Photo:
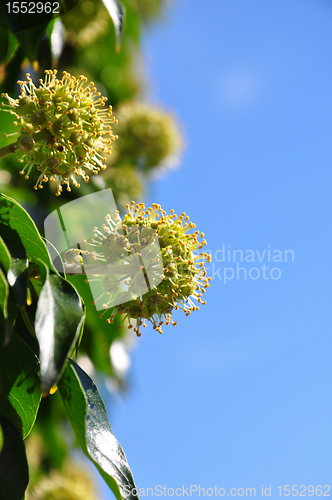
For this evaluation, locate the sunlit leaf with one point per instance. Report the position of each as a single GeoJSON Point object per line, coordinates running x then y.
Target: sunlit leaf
{"type": "Point", "coordinates": [14, 472]}
{"type": "Point", "coordinates": [4, 292]}
{"type": "Point", "coordinates": [37, 275]}
{"type": "Point", "coordinates": [17, 274]}
{"type": "Point", "coordinates": [117, 12]}
{"type": "Point", "coordinates": [5, 258]}
{"type": "Point", "coordinates": [19, 369]}
{"type": "Point", "coordinates": [88, 416]}
{"type": "Point", "coordinates": [59, 317]}
{"type": "Point", "coordinates": [98, 335]}
{"type": "Point", "coordinates": [8, 303]}
{"type": "Point", "coordinates": [14, 216]}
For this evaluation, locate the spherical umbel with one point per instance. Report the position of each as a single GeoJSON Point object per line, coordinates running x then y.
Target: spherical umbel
{"type": "Point", "coordinates": [63, 128]}
{"type": "Point", "coordinates": [149, 137]}
{"type": "Point", "coordinates": [183, 277]}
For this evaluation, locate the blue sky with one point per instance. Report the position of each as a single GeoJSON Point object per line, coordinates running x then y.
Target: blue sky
{"type": "Point", "coordinates": [239, 394]}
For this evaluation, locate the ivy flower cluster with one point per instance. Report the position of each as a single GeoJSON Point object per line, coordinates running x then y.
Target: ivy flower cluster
{"type": "Point", "coordinates": [181, 275]}
{"type": "Point", "coordinates": [64, 128]}
{"type": "Point", "coordinates": [149, 137]}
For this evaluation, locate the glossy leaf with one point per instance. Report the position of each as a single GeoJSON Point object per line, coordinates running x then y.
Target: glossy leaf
{"type": "Point", "coordinates": [28, 27]}
{"type": "Point", "coordinates": [4, 292]}
{"type": "Point", "coordinates": [8, 411]}
{"type": "Point", "coordinates": [89, 419]}
{"type": "Point", "coordinates": [14, 472]}
{"type": "Point", "coordinates": [19, 369]}
{"type": "Point", "coordinates": [17, 274]}
{"type": "Point", "coordinates": [8, 303]}
{"type": "Point", "coordinates": [98, 335]}
{"type": "Point", "coordinates": [59, 317]}
{"type": "Point", "coordinates": [5, 258]}
{"type": "Point", "coordinates": [14, 216]}
{"type": "Point", "coordinates": [37, 275]}
{"type": "Point", "coordinates": [11, 46]}
{"type": "Point", "coordinates": [117, 12]}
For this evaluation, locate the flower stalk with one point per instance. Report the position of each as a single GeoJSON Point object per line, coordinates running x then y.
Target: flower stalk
{"type": "Point", "coordinates": [9, 149]}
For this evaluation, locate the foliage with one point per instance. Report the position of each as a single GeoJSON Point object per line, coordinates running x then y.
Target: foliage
{"type": "Point", "coordinates": [46, 315]}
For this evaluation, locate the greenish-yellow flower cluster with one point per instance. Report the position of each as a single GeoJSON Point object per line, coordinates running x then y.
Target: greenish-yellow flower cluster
{"type": "Point", "coordinates": [182, 279]}
{"type": "Point", "coordinates": [86, 22]}
{"type": "Point", "coordinates": [73, 483]}
{"type": "Point", "coordinates": [63, 128]}
{"type": "Point", "coordinates": [149, 137]}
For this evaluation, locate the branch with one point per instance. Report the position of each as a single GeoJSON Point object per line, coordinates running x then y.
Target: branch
{"type": "Point", "coordinates": [8, 150]}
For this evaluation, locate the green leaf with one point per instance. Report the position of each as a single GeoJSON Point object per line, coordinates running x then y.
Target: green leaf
{"type": "Point", "coordinates": [17, 274]}
{"type": "Point", "coordinates": [19, 369]}
{"type": "Point", "coordinates": [11, 47]}
{"type": "Point", "coordinates": [98, 334]}
{"type": "Point", "coordinates": [4, 292]}
{"type": "Point", "coordinates": [8, 42]}
{"type": "Point", "coordinates": [4, 42]}
{"type": "Point", "coordinates": [28, 27]}
{"type": "Point", "coordinates": [5, 258]}
{"type": "Point", "coordinates": [37, 275]}
{"type": "Point", "coordinates": [8, 303]}
{"type": "Point", "coordinates": [88, 416]}
{"type": "Point", "coordinates": [8, 411]}
{"type": "Point", "coordinates": [4, 320]}
{"type": "Point", "coordinates": [117, 12]}
{"type": "Point", "coordinates": [58, 321]}
{"type": "Point", "coordinates": [14, 472]}
{"type": "Point", "coordinates": [14, 216]}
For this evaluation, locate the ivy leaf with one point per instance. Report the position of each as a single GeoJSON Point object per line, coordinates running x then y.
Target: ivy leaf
{"type": "Point", "coordinates": [19, 369]}
{"type": "Point", "coordinates": [28, 27]}
{"type": "Point", "coordinates": [14, 216]}
{"type": "Point", "coordinates": [88, 416]}
{"type": "Point", "coordinates": [8, 42]}
{"type": "Point", "coordinates": [4, 292]}
{"type": "Point", "coordinates": [38, 275]}
{"type": "Point", "coordinates": [8, 303]}
{"type": "Point", "coordinates": [17, 274]}
{"type": "Point", "coordinates": [14, 472]}
{"type": "Point", "coordinates": [117, 12]}
{"type": "Point", "coordinates": [5, 258]}
{"type": "Point", "coordinates": [98, 335]}
{"type": "Point", "coordinates": [58, 321]}
{"type": "Point", "coordinates": [5, 320]}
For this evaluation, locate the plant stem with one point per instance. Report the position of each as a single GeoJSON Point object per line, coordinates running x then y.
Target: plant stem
{"type": "Point", "coordinates": [8, 150]}
{"type": "Point", "coordinates": [27, 322]}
